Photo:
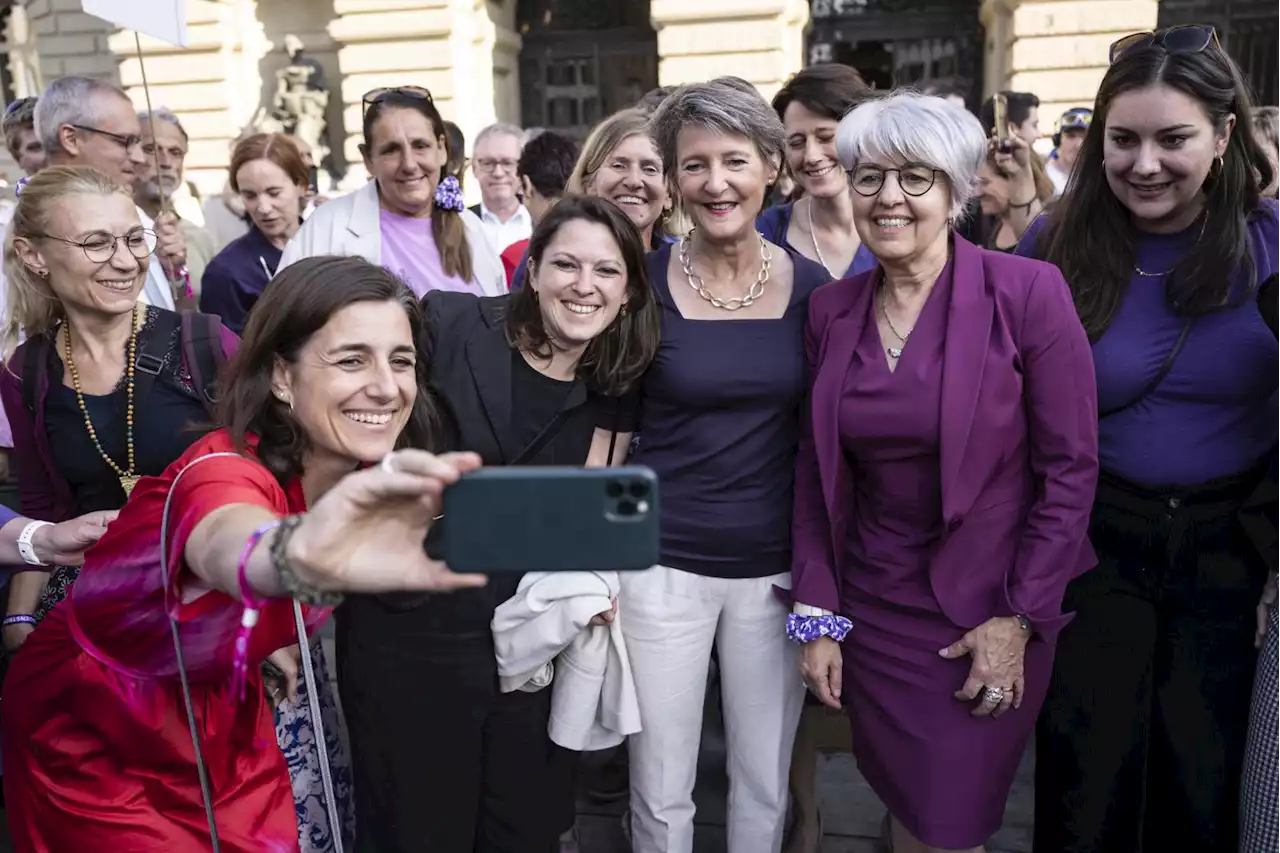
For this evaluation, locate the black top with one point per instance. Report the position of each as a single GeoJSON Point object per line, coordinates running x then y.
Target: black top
{"type": "Point", "coordinates": [165, 424]}
{"type": "Point", "coordinates": [719, 421]}
{"type": "Point", "coordinates": [536, 399]}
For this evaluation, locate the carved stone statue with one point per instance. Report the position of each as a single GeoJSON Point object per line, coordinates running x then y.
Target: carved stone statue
{"type": "Point", "coordinates": [301, 98]}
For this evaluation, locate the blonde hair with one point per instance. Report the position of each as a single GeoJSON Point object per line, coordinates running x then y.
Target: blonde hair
{"type": "Point", "coordinates": [601, 143]}
{"type": "Point", "coordinates": [32, 307]}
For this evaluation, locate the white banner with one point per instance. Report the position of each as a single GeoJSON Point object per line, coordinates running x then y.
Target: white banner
{"type": "Point", "coordinates": [162, 19]}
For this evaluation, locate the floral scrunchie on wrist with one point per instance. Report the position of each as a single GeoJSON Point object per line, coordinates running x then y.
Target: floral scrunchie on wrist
{"type": "Point", "coordinates": [806, 629]}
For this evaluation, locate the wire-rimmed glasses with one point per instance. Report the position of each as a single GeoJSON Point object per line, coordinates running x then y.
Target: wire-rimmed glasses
{"type": "Point", "coordinates": [100, 246]}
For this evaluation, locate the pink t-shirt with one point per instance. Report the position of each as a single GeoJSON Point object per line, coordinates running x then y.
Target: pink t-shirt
{"type": "Point", "coordinates": [409, 251]}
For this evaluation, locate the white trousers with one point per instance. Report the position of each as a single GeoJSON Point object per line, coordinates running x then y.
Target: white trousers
{"type": "Point", "coordinates": [671, 620]}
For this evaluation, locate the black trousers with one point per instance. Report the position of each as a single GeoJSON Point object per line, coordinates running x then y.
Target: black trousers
{"type": "Point", "coordinates": [442, 761]}
{"type": "Point", "coordinates": [1140, 743]}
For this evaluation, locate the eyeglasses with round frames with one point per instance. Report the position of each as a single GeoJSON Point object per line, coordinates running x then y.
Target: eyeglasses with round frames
{"type": "Point", "coordinates": [914, 180]}
{"type": "Point", "coordinates": [100, 246]}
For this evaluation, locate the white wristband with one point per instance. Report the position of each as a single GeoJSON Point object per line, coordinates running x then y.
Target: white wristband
{"type": "Point", "coordinates": [24, 543]}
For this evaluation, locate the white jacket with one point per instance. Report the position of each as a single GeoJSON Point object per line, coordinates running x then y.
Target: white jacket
{"type": "Point", "coordinates": [593, 696]}
{"type": "Point", "coordinates": [352, 225]}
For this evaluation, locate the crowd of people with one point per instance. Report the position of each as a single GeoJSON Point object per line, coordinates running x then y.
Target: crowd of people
{"type": "Point", "coordinates": [1058, 521]}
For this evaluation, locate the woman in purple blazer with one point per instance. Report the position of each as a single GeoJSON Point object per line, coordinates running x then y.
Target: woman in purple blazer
{"type": "Point", "coordinates": [943, 487]}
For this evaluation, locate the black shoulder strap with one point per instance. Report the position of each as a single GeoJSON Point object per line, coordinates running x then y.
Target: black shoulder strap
{"type": "Point", "coordinates": [203, 354]}
{"type": "Point", "coordinates": [1158, 378]}
{"type": "Point", "coordinates": [35, 369]}
{"type": "Point", "coordinates": [542, 439]}
{"type": "Point", "coordinates": [150, 361]}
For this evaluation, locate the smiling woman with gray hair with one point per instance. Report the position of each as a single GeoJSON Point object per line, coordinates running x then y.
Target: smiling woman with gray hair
{"type": "Point", "coordinates": [719, 420]}
{"type": "Point", "coordinates": [943, 486]}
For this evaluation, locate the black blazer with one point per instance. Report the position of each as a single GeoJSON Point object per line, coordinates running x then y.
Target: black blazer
{"type": "Point", "coordinates": [471, 376]}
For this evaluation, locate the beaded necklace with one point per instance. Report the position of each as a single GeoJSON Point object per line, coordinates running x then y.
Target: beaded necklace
{"type": "Point", "coordinates": [128, 478]}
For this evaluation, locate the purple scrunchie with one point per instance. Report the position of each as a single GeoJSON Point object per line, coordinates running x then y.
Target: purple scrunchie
{"type": "Point", "coordinates": [806, 629]}
{"type": "Point", "coordinates": [21, 185]}
{"type": "Point", "coordinates": [449, 195]}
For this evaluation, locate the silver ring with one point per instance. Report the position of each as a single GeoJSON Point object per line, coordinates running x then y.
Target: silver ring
{"type": "Point", "coordinates": [388, 463]}
{"type": "Point", "coordinates": [993, 695]}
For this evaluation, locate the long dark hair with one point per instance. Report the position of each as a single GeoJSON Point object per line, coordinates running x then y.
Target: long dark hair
{"type": "Point", "coordinates": [1090, 236]}
{"type": "Point", "coordinates": [446, 225]}
{"type": "Point", "coordinates": [616, 359]}
{"type": "Point", "coordinates": [299, 302]}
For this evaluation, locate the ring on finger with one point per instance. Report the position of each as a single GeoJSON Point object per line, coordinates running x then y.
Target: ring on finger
{"type": "Point", "coordinates": [993, 696]}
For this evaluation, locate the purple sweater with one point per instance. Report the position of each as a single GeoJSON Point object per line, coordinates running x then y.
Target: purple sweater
{"type": "Point", "coordinates": [1214, 415]}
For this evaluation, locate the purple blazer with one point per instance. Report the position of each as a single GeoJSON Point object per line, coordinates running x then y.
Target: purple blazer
{"type": "Point", "coordinates": [1018, 449]}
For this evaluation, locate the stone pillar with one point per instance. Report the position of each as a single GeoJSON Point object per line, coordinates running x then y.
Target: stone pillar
{"type": "Point", "coordinates": [761, 41]}
{"type": "Point", "coordinates": [70, 42]}
{"type": "Point", "coordinates": [464, 51]}
{"type": "Point", "coordinates": [1057, 48]}
{"type": "Point", "coordinates": [211, 85]}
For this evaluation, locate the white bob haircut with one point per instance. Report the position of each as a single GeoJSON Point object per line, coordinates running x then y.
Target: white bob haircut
{"type": "Point", "coordinates": [908, 127]}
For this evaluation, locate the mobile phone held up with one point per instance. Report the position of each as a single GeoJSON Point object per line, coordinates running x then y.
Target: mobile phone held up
{"type": "Point", "coordinates": [1000, 110]}
{"type": "Point", "coordinates": [539, 519]}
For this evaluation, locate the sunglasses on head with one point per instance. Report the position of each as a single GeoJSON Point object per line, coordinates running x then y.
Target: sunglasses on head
{"type": "Point", "coordinates": [377, 96]}
{"type": "Point", "coordinates": [1188, 38]}
{"type": "Point", "coordinates": [14, 106]}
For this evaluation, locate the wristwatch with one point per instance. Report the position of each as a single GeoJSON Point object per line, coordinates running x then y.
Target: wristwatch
{"type": "Point", "coordinates": [27, 552]}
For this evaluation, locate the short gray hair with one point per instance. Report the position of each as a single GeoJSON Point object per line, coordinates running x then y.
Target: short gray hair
{"type": "Point", "coordinates": [727, 105]}
{"type": "Point", "coordinates": [908, 127]}
{"type": "Point", "coordinates": [69, 100]}
{"type": "Point", "coordinates": [165, 115]}
{"type": "Point", "coordinates": [499, 129]}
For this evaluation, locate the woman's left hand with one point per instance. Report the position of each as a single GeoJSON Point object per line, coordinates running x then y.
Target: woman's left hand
{"type": "Point", "coordinates": [998, 647]}
{"type": "Point", "coordinates": [287, 660]}
{"type": "Point", "coordinates": [607, 616]}
{"type": "Point", "coordinates": [1263, 613]}
{"type": "Point", "coordinates": [64, 544]}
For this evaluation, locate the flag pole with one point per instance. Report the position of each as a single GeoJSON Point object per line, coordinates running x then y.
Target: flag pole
{"type": "Point", "coordinates": [179, 277]}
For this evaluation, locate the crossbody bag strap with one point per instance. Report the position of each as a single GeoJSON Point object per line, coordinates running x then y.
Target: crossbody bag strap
{"type": "Point", "coordinates": [542, 439]}
{"type": "Point", "coordinates": [308, 675]}
{"type": "Point", "coordinates": [1158, 378]}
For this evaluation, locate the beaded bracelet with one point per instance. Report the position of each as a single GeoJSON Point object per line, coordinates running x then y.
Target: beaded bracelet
{"type": "Point", "coordinates": [19, 619]}
{"type": "Point", "coordinates": [289, 581]}
{"type": "Point", "coordinates": [253, 604]}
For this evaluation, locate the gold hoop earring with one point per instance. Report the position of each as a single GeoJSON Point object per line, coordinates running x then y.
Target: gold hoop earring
{"type": "Point", "coordinates": [1215, 171]}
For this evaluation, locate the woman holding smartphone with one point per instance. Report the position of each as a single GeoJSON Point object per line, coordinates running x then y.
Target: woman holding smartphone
{"type": "Point", "coordinates": [447, 763]}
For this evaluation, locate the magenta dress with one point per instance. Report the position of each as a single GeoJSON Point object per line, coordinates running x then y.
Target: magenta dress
{"type": "Point", "coordinates": [942, 773]}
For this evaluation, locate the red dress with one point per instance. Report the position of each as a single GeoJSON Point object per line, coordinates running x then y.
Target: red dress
{"type": "Point", "coordinates": [97, 749]}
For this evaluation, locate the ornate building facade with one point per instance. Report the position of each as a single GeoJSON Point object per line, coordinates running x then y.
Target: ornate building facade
{"type": "Point", "coordinates": [565, 63]}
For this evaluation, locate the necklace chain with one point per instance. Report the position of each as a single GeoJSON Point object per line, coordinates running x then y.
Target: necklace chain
{"type": "Point", "coordinates": [813, 235]}
{"type": "Point", "coordinates": [1145, 274]}
{"type": "Point", "coordinates": [894, 352]}
{"type": "Point", "coordinates": [127, 477]}
{"type": "Point", "coordinates": [738, 302]}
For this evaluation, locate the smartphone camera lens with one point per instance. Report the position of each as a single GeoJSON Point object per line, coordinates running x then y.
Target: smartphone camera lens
{"type": "Point", "coordinates": [614, 489]}
{"type": "Point", "coordinates": [639, 489]}
{"type": "Point", "coordinates": [627, 508]}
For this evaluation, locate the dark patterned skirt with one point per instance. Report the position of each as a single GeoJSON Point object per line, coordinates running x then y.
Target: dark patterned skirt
{"type": "Point", "coordinates": [1260, 791]}
{"type": "Point", "coordinates": [60, 580]}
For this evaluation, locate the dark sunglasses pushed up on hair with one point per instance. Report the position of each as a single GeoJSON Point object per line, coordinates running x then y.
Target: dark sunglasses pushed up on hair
{"type": "Point", "coordinates": [377, 96]}
{"type": "Point", "coordinates": [1187, 38]}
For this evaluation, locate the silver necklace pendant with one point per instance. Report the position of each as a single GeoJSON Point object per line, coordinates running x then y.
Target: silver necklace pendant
{"type": "Point", "coordinates": [895, 352]}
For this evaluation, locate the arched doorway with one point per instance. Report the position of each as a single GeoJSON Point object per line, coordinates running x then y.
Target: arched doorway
{"type": "Point", "coordinates": [582, 60]}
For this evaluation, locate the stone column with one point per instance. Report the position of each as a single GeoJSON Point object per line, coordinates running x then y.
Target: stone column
{"type": "Point", "coordinates": [212, 85]}
{"type": "Point", "coordinates": [761, 41]}
{"type": "Point", "coordinates": [464, 51]}
{"type": "Point", "coordinates": [1057, 48]}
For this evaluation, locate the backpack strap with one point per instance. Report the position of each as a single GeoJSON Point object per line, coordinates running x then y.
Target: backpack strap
{"type": "Point", "coordinates": [202, 351]}
{"type": "Point", "coordinates": [150, 361]}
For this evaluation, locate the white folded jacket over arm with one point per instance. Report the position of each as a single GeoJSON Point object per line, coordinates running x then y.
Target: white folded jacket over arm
{"type": "Point", "coordinates": [593, 696]}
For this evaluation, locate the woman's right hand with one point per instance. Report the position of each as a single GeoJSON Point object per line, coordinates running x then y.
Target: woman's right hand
{"type": "Point", "coordinates": [822, 668]}
{"type": "Point", "coordinates": [366, 534]}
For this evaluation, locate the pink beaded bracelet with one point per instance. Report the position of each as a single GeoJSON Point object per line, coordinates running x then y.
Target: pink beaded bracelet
{"type": "Point", "coordinates": [253, 603]}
